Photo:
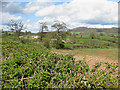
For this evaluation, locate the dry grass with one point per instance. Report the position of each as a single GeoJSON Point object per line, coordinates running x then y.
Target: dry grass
{"type": "Point", "coordinates": [92, 56]}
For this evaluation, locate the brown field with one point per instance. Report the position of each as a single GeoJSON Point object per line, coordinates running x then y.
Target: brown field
{"type": "Point", "coordinates": [92, 56]}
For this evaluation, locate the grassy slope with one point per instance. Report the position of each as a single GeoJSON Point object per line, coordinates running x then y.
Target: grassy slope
{"type": "Point", "coordinates": [85, 40]}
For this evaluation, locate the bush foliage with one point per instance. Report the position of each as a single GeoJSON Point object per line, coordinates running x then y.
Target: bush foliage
{"type": "Point", "coordinates": [28, 66]}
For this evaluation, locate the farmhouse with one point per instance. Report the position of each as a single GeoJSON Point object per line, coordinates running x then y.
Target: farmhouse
{"type": "Point", "coordinates": [34, 37]}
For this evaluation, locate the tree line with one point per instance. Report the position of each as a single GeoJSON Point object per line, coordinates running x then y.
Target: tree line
{"type": "Point", "coordinates": [59, 26]}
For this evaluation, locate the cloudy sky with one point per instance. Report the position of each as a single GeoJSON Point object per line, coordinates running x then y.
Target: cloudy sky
{"type": "Point", "coordinates": [75, 13]}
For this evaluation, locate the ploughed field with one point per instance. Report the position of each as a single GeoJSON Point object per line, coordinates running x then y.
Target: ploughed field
{"type": "Point", "coordinates": [92, 56]}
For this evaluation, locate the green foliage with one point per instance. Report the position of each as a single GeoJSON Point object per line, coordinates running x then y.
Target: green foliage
{"type": "Point", "coordinates": [60, 27]}
{"type": "Point", "coordinates": [73, 41]}
{"type": "Point", "coordinates": [25, 41]}
{"type": "Point", "coordinates": [96, 41]}
{"type": "Point", "coordinates": [47, 43]}
{"type": "Point", "coordinates": [57, 44]}
{"type": "Point", "coordinates": [28, 66]}
{"type": "Point", "coordinates": [92, 36]}
{"type": "Point", "coordinates": [101, 34]}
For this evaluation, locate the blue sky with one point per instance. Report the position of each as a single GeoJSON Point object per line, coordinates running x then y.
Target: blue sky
{"type": "Point", "coordinates": [76, 13]}
{"type": "Point", "coordinates": [114, 0]}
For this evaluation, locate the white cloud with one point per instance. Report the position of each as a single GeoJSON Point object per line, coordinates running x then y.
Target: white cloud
{"type": "Point", "coordinates": [91, 12]}
{"type": "Point", "coordinates": [3, 27]}
{"type": "Point", "coordinates": [100, 26]}
{"type": "Point", "coordinates": [11, 7]}
{"type": "Point", "coordinates": [29, 8]}
{"type": "Point", "coordinates": [6, 17]}
{"type": "Point", "coordinates": [28, 21]}
{"type": "Point", "coordinates": [33, 28]}
{"type": "Point", "coordinates": [4, 0]}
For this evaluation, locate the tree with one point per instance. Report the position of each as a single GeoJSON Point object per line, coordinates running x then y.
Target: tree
{"type": "Point", "coordinates": [26, 32]}
{"type": "Point", "coordinates": [59, 26]}
{"type": "Point", "coordinates": [101, 34]}
{"type": "Point", "coordinates": [16, 26]}
{"type": "Point", "coordinates": [69, 32]}
{"type": "Point", "coordinates": [92, 35]}
{"type": "Point", "coordinates": [43, 27]}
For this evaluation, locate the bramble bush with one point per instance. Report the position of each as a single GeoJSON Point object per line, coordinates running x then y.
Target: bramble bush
{"type": "Point", "coordinates": [28, 66]}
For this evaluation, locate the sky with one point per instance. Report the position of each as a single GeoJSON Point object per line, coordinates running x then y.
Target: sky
{"type": "Point", "coordinates": [75, 13]}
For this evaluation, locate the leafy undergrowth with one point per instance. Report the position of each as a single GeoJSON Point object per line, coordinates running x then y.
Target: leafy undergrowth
{"type": "Point", "coordinates": [28, 66]}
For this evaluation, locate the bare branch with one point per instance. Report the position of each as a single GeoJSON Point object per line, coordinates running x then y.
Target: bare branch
{"type": "Point", "coordinates": [43, 27]}
{"type": "Point", "coordinates": [16, 26]}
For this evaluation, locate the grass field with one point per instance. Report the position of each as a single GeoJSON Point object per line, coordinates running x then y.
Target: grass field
{"type": "Point", "coordinates": [28, 63]}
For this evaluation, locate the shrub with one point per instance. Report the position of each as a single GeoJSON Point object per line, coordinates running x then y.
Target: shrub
{"type": "Point", "coordinates": [25, 41]}
{"type": "Point", "coordinates": [101, 34]}
{"type": "Point", "coordinates": [61, 45]}
{"type": "Point", "coordinates": [92, 36]}
{"type": "Point", "coordinates": [53, 43]}
{"type": "Point", "coordinates": [47, 43]}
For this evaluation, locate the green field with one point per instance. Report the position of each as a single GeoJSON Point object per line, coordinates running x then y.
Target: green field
{"type": "Point", "coordinates": [30, 63]}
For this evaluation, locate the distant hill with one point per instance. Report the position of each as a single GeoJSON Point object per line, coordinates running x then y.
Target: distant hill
{"type": "Point", "coordinates": [95, 30]}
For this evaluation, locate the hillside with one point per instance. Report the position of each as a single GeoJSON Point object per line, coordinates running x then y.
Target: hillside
{"type": "Point", "coordinates": [95, 30]}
